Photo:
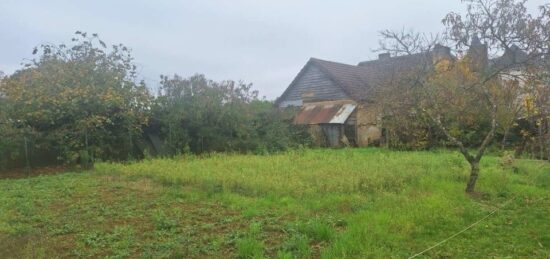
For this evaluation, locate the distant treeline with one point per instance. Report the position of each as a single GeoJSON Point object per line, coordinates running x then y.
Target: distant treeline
{"type": "Point", "coordinates": [83, 103]}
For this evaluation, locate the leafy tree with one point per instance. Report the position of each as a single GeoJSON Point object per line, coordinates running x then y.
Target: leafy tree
{"type": "Point", "coordinates": [203, 115]}
{"type": "Point", "coordinates": [462, 96]}
{"type": "Point", "coordinates": [199, 115]}
{"type": "Point", "coordinates": [82, 100]}
{"type": "Point", "coordinates": [274, 129]}
{"type": "Point", "coordinates": [511, 108]}
{"type": "Point", "coordinates": [9, 146]}
{"type": "Point", "coordinates": [536, 110]}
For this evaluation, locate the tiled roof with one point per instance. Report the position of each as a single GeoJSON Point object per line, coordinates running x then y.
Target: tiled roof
{"type": "Point", "coordinates": [358, 81]}
{"type": "Point", "coordinates": [352, 79]}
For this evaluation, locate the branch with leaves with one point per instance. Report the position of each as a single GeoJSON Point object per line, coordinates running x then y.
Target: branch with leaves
{"type": "Point", "coordinates": [464, 94]}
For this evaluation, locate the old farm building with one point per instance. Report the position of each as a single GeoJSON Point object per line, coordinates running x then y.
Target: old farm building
{"type": "Point", "coordinates": [337, 100]}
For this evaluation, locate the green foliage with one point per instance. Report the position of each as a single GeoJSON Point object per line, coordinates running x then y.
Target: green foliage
{"type": "Point", "coordinates": [409, 132]}
{"type": "Point", "coordinates": [82, 103]}
{"type": "Point", "coordinates": [8, 133]}
{"type": "Point", "coordinates": [317, 230]}
{"type": "Point", "coordinates": [80, 97]}
{"type": "Point", "coordinates": [249, 246]}
{"type": "Point", "coordinates": [199, 115]}
{"type": "Point", "coordinates": [306, 204]}
{"type": "Point", "coordinates": [10, 139]}
{"type": "Point", "coordinates": [297, 246]}
{"type": "Point", "coordinates": [163, 222]}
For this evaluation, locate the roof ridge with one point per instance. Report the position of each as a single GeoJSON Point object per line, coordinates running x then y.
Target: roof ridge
{"type": "Point", "coordinates": [394, 58]}
{"type": "Point", "coordinates": [329, 61]}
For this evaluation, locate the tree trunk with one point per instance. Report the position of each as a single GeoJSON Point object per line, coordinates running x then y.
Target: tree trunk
{"type": "Point", "coordinates": [474, 173]}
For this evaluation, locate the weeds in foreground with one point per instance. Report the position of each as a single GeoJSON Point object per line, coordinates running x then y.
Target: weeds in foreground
{"type": "Point", "coordinates": [350, 203]}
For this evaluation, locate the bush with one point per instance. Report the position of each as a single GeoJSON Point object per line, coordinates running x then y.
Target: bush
{"type": "Point", "coordinates": [82, 99]}
{"type": "Point", "coordinates": [200, 115]}
{"type": "Point", "coordinates": [10, 143]}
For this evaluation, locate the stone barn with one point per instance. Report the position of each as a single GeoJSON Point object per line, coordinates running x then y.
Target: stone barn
{"type": "Point", "coordinates": [336, 99]}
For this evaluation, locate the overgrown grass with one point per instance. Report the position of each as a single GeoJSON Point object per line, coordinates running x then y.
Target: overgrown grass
{"type": "Point", "coordinates": [352, 203]}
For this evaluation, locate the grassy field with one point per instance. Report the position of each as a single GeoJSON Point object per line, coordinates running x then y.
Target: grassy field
{"type": "Point", "coordinates": [351, 203]}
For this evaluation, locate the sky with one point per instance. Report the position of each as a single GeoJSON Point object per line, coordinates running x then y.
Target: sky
{"type": "Point", "coordinates": [262, 42]}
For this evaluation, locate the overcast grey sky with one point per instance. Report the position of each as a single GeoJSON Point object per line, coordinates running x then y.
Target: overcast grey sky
{"type": "Point", "coordinates": [262, 42]}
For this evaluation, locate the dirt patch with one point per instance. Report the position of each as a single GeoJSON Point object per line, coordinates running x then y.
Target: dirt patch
{"type": "Point", "coordinates": [34, 245]}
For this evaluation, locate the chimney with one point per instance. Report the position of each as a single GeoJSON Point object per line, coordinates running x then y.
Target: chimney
{"type": "Point", "coordinates": [384, 56]}
{"type": "Point", "coordinates": [512, 53]}
{"type": "Point", "coordinates": [441, 52]}
{"type": "Point", "coordinates": [478, 54]}
{"type": "Point", "coordinates": [476, 41]}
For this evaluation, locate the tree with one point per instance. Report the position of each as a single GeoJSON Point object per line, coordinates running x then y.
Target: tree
{"type": "Point", "coordinates": [202, 115]}
{"type": "Point", "coordinates": [536, 107]}
{"type": "Point", "coordinates": [81, 101]}
{"type": "Point", "coordinates": [199, 115]}
{"type": "Point", "coordinates": [462, 95]}
{"type": "Point", "coordinates": [6, 129]}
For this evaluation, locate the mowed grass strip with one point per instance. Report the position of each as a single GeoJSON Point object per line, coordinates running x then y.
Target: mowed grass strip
{"type": "Point", "coordinates": [350, 203]}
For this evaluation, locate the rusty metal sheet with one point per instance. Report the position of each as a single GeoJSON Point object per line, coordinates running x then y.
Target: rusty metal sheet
{"type": "Point", "coordinates": [324, 113]}
{"type": "Point", "coordinates": [343, 114]}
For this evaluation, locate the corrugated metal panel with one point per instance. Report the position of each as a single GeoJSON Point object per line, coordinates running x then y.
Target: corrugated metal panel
{"type": "Point", "coordinates": [324, 113]}
{"type": "Point", "coordinates": [343, 113]}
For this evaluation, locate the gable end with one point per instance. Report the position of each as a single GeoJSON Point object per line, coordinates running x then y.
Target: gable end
{"type": "Point", "coordinates": [311, 83]}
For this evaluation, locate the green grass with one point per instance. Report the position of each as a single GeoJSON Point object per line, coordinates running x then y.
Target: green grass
{"type": "Point", "coordinates": [350, 203]}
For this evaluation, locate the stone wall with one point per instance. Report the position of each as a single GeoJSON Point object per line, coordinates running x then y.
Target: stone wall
{"type": "Point", "coordinates": [368, 125]}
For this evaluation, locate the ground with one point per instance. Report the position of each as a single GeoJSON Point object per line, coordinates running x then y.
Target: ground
{"type": "Point", "coordinates": [350, 203]}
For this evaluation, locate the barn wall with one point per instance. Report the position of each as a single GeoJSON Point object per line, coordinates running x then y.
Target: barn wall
{"type": "Point", "coordinates": [313, 84]}
{"type": "Point", "coordinates": [368, 130]}
{"type": "Point", "coordinates": [350, 129]}
{"type": "Point", "coordinates": [333, 134]}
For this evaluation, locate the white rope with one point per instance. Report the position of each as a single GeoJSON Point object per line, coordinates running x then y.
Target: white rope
{"type": "Point", "coordinates": [462, 231]}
